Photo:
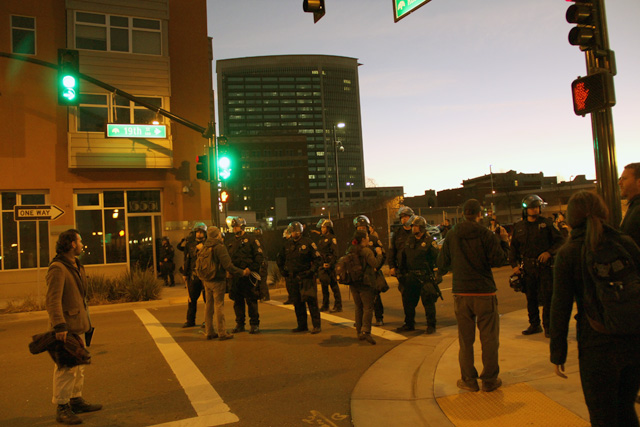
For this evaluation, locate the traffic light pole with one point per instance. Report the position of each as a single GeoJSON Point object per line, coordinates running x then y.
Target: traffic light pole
{"type": "Point", "coordinates": [602, 126]}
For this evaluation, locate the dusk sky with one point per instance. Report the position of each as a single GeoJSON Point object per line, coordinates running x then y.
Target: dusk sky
{"type": "Point", "coordinates": [456, 86]}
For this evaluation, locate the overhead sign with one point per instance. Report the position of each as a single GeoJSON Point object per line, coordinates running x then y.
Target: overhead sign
{"type": "Point", "coordinates": [402, 8]}
{"type": "Point", "coordinates": [136, 131]}
{"type": "Point", "coordinates": [36, 212]}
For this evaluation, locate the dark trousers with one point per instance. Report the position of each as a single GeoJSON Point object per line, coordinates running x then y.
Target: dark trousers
{"type": "Point", "coordinates": [264, 287]}
{"type": "Point", "coordinates": [539, 286]}
{"type": "Point", "coordinates": [328, 280]}
{"type": "Point", "coordinates": [378, 308]}
{"type": "Point", "coordinates": [302, 296]}
{"type": "Point", "coordinates": [412, 293]}
{"type": "Point", "coordinates": [610, 382]}
{"type": "Point", "coordinates": [483, 312]}
{"type": "Point", "coordinates": [363, 297]}
{"type": "Point", "coordinates": [243, 292]}
{"type": "Point", "coordinates": [195, 289]}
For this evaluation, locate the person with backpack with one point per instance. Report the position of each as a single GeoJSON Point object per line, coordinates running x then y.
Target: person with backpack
{"type": "Point", "coordinates": [417, 261]}
{"type": "Point", "coordinates": [328, 248]}
{"type": "Point", "coordinates": [299, 263]}
{"type": "Point", "coordinates": [362, 222]}
{"type": "Point", "coordinates": [598, 268]}
{"type": "Point", "coordinates": [212, 265]}
{"type": "Point", "coordinates": [359, 266]}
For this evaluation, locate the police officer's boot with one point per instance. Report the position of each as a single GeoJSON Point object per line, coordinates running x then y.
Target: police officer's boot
{"type": "Point", "coordinates": [532, 329]}
{"type": "Point", "coordinates": [325, 306]}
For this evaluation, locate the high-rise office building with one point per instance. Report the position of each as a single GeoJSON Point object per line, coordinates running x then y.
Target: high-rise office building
{"type": "Point", "coordinates": [305, 95]}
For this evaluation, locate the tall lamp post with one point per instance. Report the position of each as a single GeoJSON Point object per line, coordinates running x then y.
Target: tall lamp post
{"type": "Point", "coordinates": [337, 144]}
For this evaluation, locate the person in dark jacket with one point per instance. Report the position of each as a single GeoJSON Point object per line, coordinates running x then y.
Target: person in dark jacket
{"type": "Point", "coordinates": [264, 268]}
{"type": "Point", "coordinates": [195, 287]}
{"type": "Point", "coordinates": [363, 223]}
{"type": "Point", "coordinates": [469, 251]}
{"type": "Point", "coordinates": [609, 364]}
{"type": "Point", "coordinates": [66, 306]}
{"type": "Point", "coordinates": [396, 245]}
{"type": "Point", "coordinates": [245, 252]}
{"type": "Point", "coordinates": [629, 184]}
{"type": "Point", "coordinates": [166, 265]}
{"type": "Point", "coordinates": [328, 248]}
{"type": "Point", "coordinates": [215, 289]}
{"type": "Point", "coordinates": [418, 260]}
{"type": "Point", "coordinates": [299, 262]}
{"type": "Point", "coordinates": [363, 293]}
{"type": "Point", "coordinates": [535, 240]}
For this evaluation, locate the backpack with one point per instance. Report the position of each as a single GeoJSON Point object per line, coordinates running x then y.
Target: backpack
{"type": "Point", "coordinates": [611, 287]}
{"type": "Point", "coordinates": [353, 267]}
{"type": "Point", "coordinates": [206, 265]}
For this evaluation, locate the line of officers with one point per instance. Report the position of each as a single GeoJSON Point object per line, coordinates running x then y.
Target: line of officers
{"type": "Point", "coordinates": [412, 258]}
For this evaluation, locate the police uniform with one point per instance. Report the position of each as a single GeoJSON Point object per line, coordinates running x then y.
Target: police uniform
{"type": "Point", "coordinates": [301, 261]}
{"type": "Point", "coordinates": [264, 272]}
{"type": "Point", "coordinates": [530, 239]}
{"type": "Point", "coordinates": [166, 263]}
{"type": "Point", "coordinates": [328, 249]}
{"type": "Point", "coordinates": [245, 252]}
{"type": "Point", "coordinates": [418, 259]}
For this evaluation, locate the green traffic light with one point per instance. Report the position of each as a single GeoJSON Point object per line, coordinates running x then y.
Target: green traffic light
{"type": "Point", "coordinates": [224, 162]}
{"type": "Point", "coordinates": [69, 81]}
{"type": "Point", "coordinates": [224, 167]}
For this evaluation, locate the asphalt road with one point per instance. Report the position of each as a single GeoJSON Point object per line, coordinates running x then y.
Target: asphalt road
{"type": "Point", "coordinates": [147, 370]}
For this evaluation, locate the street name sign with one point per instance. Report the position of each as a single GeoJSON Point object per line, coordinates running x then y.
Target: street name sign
{"type": "Point", "coordinates": [136, 131]}
{"type": "Point", "coordinates": [36, 212]}
{"type": "Point", "coordinates": [402, 8]}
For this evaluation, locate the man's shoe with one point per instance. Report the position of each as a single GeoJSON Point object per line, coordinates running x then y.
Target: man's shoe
{"type": "Point", "coordinates": [316, 330]}
{"type": "Point", "coordinates": [336, 310]}
{"type": "Point", "coordinates": [254, 329]}
{"type": "Point", "coordinates": [466, 386]}
{"type": "Point", "coordinates": [324, 308]}
{"type": "Point", "coordinates": [225, 337]}
{"type": "Point", "coordinates": [532, 329]}
{"type": "Point", "coordinates": [430, 330]}
{"type": "Point", "coordinates": [188, 325]}
{"type": "Point", "coordinates": [287, 302]}
{"type": "Point", "coordinates": [238, 328]}
{"type": "Point", "coordinates": [79, 405]}
{"type": "Point", "coordinates": [368, 338]}
{"type": "Point", "coordinates": [490, 386]}
{"type": "Point", "coordinates": [300, 329]}
{"type": "Point", "coordinates": [405, 328]}
{"type": "Point", "coordinates": [212, 336]}
{"type": "Point", "coordinates": [379, 322]}
{"type": "Point", "coordinates": [65, 415]}
{"type": "Point", "coordinates": [360, 336]}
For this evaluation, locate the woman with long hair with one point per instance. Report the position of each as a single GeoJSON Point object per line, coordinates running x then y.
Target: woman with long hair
{"type": "Point", "coordinates": [362, 291]}
{"type": "Point", "coordinates": [609, 364]}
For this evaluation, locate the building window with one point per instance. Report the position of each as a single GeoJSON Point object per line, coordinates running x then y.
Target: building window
{"type": "Point", "coordinates": [25, 244]}
{"type": "Point", "coordinates": [23, 35]}
{"type": "Point", "coordinates": [95, 111]}
{"type": "Point", "coordinates": [113, 33]}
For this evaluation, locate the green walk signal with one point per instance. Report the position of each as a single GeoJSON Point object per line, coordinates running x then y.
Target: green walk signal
{"type": "Point", "coordinates": [68, 77]}
{"type": "Point", "coordinates": [224, 167]}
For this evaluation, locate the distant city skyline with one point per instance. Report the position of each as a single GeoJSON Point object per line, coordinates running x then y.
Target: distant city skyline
{"type": "Point", "coordinates": [456, 88]}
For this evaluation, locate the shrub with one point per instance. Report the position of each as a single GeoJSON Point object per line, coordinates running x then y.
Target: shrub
{"type": "Point", "coordinates": [30, 303]}
{"type": "Point", "coordinates": [140, 285]}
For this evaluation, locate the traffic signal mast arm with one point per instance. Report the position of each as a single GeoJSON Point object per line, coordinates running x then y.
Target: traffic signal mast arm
{"type": "Point", "coordinates": [205, 132]}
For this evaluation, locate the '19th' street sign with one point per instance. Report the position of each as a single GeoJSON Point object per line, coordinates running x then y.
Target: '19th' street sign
{"type": "Point", "coordinates": [402, 8]}
{"type": "Point", "coordinates": [36, 212]}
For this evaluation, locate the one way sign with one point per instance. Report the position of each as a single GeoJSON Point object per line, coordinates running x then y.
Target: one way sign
{"type": "Point", "coordinates": [37, 213]}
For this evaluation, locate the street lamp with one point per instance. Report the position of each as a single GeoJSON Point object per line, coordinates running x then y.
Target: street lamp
{"type": "Point", "coordinates": [337, 145]}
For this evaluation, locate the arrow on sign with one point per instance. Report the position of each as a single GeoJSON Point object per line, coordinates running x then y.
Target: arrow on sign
{"type": "Point", "coordinates": [36, 212]}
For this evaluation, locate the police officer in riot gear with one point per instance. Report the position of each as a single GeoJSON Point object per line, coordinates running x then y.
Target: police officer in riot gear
{"type": "Point", "coordinates": [299, 262]}
{"type": "Point", "coordinates": [194, 284]}
{"type": "Point", "coordinates": [362, 222]}
{"type": "Point", "coordinates": [535, 240]}
{"type": "Point", "coordinates": [264, 268]}
{"type": "Point", "coordinates": [396, 245]}
{"type": "Point", "coordinates": [328, 248]}
{"type": "Point", "coordinates": [245, 252]}
{"type": "Point", "coordinates": [418, 260]}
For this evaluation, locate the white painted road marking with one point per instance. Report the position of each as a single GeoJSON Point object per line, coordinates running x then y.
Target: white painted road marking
{"type": "Point", "coordinates": [380, 332]}
{"type": "Point", "coordinates": [211, 409]}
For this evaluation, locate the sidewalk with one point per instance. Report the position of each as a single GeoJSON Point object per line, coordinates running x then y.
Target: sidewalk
{"type": "Point", "coordinates": [415, 384]}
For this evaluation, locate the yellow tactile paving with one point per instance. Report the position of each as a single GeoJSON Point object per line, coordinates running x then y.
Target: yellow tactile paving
{"type": "Point", "coordinates": [513, 405]}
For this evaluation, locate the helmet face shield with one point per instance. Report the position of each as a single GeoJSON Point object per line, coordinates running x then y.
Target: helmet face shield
{"type": "Point", "coordinates": [238, 222]}
{"type": "Point", "coordinates": [405, 211]}
{"type": "Point", "coordinates": [200, 226]}
{"type": "Point", "coordinates": [296, 227]}
{"type": "Point", "coordinates": [532, 201]}
{"type": "Point", "coordinates": [420, 225]}
{"type": "Point", "coordinates": [361, 221]}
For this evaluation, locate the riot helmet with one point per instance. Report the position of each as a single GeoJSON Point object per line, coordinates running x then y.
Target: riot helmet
{"type": "Point", "coordinates": [296, 226]}
{"type": "Point", "coordinates": [531, 201]}
{"type": "Point", "coordinates": [200, 226]}
{"type": "Point", "coordinates": [258, 231]}
{"type": "Point", "coordinates": [286, 233]}
{"type": "Point", "coordinates": [361, 221]}
{"type": "Point", "coordinates": [405, 211]}
{"type": "Point", "coordinates": [238, 222]}
{"type": "Point", "coordinates": [420, 222]}
{"type": "Point", "coordinates": [325, 223]}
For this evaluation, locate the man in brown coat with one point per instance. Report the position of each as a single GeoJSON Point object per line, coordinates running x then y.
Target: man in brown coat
{"type": "Point", "coordinates": [67, 309]}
